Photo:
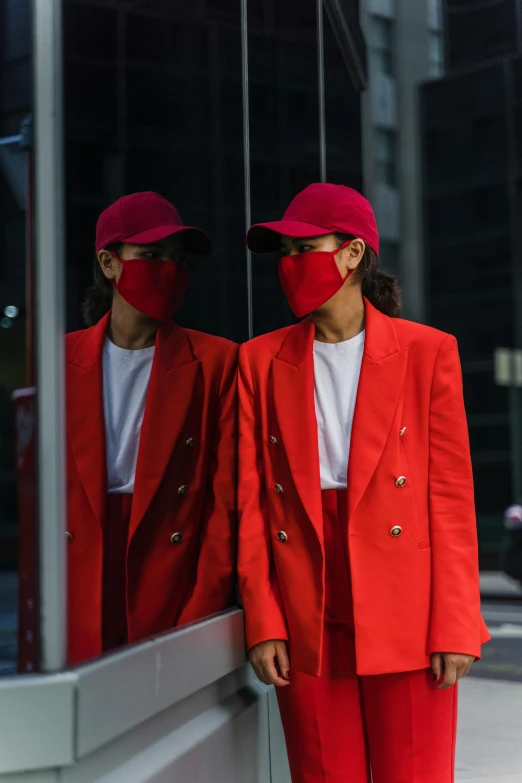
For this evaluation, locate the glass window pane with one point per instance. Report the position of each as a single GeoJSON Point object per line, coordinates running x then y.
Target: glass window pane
{"type": "Point", "coordinates": [19, 624]}
{"type": "Point", "coordinates": [342, 113]}
{"type": "Point", "coordinates": [166, 118]}
{"type": "Point", "coordinates": [381, 42]}
{"type": "Point", "coordinates": [284, 135]}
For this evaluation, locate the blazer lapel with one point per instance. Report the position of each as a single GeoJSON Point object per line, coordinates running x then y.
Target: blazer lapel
{"type": "Point", "coordinates": [380, 385]}
{"type": "Point", "coordinates": [85, 417]}
{"type": "Point", "coordinates": [169, 397]}
{"type": "Point", "coordinates": [293, 395]}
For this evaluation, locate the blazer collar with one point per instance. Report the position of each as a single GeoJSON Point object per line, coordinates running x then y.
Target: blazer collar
{"type": "Point", "coordinates": [380, 338]}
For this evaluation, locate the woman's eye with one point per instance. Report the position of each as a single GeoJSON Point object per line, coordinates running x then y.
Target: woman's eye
{"type": "Point", "coordinates": [305, 248]}
{"type": "Point", "coordinates": [150, 254]}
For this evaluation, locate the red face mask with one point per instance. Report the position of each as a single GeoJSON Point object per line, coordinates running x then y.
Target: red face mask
{"type": "Point", "coordinates": [311, 279]}
{"type": "Point", "coordinates": [155, 288]}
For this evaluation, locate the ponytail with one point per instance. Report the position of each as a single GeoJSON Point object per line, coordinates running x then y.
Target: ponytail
{"type": "Point", "coordinates": [382, 290]}
{"type": "Point", "coordinates": [98, 299]}
{"type": "Point", "coordinates": [379, 287]}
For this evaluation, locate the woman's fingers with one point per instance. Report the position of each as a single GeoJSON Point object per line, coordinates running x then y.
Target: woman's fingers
{"type": "Point", "coordinates": [455, 667]}
{"type": "Point", "coordinates": [283, 662]}
{"type": "Point", "coordinates": [450, 673]}
{"type": "Point", "coordinates": [270, 663]}
{"type": "Point", "coordinates": [437, 665]}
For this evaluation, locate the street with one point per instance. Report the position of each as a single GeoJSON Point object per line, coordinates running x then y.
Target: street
{"type": "Point", "coordinates": [502, 657]}
{"type": "Point", "coordinates": [489, 747]}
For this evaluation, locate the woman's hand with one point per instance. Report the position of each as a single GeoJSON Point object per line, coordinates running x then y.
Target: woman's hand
{"type": "Point", "coordinates": [451, 667]}
{"type": "Point", "coordinates": [270, 662]}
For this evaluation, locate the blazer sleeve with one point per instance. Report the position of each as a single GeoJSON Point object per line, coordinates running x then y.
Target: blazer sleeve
{"type": "Point", "coordinates": [264, 614]}
{"type": "Point", "coordinates": [456, 623]}
{"type": "Point", "coordinates": [214, 589]}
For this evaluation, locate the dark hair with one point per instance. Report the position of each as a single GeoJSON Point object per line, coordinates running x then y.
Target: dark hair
{"type": "Point", "coordinates": [98, 299]}
{"type": "Point", "coordinates": [379, 287]}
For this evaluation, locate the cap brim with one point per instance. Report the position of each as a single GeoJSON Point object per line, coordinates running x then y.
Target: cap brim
{"type": "Point", "coordinates": [194, 239]}
{"type": "Point", "coordinates": [266, 237]}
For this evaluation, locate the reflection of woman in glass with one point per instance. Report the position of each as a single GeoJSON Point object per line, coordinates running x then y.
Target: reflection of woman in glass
{"type": "Point", "coordinates": [358, 550]}
{"type": "Point", "coordinates": [151, 411]}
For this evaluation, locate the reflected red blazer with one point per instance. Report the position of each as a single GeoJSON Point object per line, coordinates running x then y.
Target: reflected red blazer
{"type": "Point", "coordinates": [415, 592]}
{"type": "Point", "coordinates": [188, 439]}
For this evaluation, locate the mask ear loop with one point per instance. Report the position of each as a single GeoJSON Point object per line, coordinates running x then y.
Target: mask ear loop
{"type": "Point", "coordinates": [346, 244]}
{"type": "Point", "coordinates": [114, 255]}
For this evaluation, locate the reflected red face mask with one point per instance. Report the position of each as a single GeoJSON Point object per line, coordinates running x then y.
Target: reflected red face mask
{"type": "Point", "coordinates": [310, 279]}
{"type": "Point", "coordinates": [155, 288]}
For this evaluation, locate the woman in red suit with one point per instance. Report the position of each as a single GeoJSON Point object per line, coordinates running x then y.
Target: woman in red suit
{"type": "Point", "coordinates": [358, 549]}
{"type": "Point", "coordinates": [151, 441]}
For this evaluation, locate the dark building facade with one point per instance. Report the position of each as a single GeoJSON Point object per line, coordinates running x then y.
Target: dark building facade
{"type": "Point", "coordinates": [154, 96]}
{"type": "Point", "coordinates": [472, 149]}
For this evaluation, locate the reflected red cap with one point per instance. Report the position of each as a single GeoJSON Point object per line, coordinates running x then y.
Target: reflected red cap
{"type": "Point", "coordinates": [145, 218]}
{"type": "Point", "coordinates": [318, 210]}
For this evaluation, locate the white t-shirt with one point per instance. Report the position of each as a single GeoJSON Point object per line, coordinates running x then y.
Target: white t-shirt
{"type": "Point", "coordinates": [126, 377]}
{"type": "Point", "coordinates": [337, 367]}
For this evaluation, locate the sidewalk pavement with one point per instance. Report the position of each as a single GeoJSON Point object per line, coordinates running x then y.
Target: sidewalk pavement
{"type": "Point", "coordinates": [495, 584]}
{"type": "Point", "coordinates": [489, 746]}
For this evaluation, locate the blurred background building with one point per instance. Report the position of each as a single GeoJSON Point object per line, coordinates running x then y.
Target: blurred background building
{"type": "Point", "coordinates": [471, 123]}
{"type": "Point", "coordinates": [405, 48]}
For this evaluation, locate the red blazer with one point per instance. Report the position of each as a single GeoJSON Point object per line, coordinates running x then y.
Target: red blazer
{"type": "Point", "coordinates": [188, 438]}
{"type": "Point", "coordinates": [415, 593]}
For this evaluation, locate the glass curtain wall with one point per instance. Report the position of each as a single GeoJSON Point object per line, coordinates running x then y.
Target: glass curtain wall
{"type": "Point", "coordinates": [155, 98]}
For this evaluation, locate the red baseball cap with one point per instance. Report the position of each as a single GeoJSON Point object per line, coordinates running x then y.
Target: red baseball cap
{"type": "Point", "coordinates": [317, 210]}
{"type": "Point", "coordinates": [145, 218]}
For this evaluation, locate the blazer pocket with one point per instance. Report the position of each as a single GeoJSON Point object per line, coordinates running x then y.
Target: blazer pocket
{"type": "Point", "coordinates": [424, 545]}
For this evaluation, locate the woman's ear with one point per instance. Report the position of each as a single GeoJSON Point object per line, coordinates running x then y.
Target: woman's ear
{"type": "Point", "coordinates": [356, 250]}
{"type": "Point", "coordinates": [351, 256]}
{"type": "Point", "coordinates": [108, 264]}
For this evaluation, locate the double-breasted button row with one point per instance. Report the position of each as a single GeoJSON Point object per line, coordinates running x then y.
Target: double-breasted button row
{"type": "Point", "coordinates": [69, 537]}
{"type": "Point", "coordinates": [401, 433]}
{"type": "Point", "coordinates": [183, 490]}
{"type": "Point", "coordinates": [279, 489]}
{"type": "Point", "coordinates": [282, 536]}
{"type": "Point", "coordinates": [273, 440]}
{"type": "Point", "coordinates": [190, 442]}
{"type": "Point", "coordinates": [176, 538]}
{"type": "Point", "coordinates": [400, 482]}
{"type": "Point", "coordinates": [396, 531]}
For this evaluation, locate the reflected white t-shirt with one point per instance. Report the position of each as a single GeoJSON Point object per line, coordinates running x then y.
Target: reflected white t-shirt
{"type": "Point", "coordinates": [126, 376]}
{"type": "Point", "coordinates": [337, 367]}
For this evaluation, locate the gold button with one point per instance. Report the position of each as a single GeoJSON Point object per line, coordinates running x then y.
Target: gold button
{"type": "Point", "coordinates": [69, 536]}
{"type": "Point", "coordinates": [273, 439]}
{"type": "Point", "coordinates": [279, 489]}
{"type": "Point", "coordinates": [282, 536]}
{"type": "Point", "coordinates": [183, 489]}
{"type": "Point", "coordinates": [176, 538]}
{"type": "Point", "coordinates": [401, 481]}
{"type": "Point", "coordinates": [396, 531]}
{"type": "Point", "coordinates": [401, 433]}
{"type": "Point", "coordinates": [190, 442]}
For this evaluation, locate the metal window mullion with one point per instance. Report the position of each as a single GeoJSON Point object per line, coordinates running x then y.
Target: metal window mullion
{"type": "Point", "coordinates": [320, 76]}
{"type": "Point", "coordinates": [246, 158]}
{"type": "Point", "coordinates": [50, 326]}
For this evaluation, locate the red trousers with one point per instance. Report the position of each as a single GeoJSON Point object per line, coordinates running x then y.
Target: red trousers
{"type": "Point", "coordinates": [114, 587]}
{"type": "Point", "coordinates": [340, 726]}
